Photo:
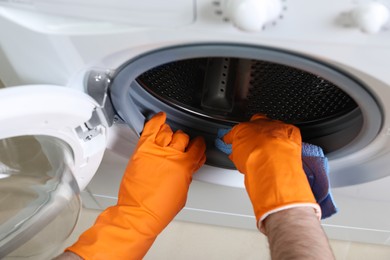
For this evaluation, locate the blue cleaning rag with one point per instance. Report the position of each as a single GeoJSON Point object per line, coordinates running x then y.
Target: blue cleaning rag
{"type": "Point", "coordinates": [315, 165]}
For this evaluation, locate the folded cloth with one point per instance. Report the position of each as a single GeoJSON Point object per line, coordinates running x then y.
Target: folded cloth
{"type": "Point", "coordinates": [316, 168]}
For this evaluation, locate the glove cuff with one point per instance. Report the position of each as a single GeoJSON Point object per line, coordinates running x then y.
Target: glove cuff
{"type": "Point", "coordinates": [120, 232]}
{"type": "Point", "coordinates": [315, 206]}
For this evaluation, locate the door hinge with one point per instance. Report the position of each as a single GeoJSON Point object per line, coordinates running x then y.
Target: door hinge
{"type": "Point", "coordinates": [104, 114]}
{"type": "Point", "coordinates": [98, 82]}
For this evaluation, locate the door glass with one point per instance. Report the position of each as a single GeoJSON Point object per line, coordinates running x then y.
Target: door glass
{"type": "Point", "coordinates": [38, 196]}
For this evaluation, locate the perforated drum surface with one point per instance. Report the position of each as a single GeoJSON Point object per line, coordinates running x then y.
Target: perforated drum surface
{"type": "Point", "coordinates": [179, 81]}
{"type": "Point", "coordinates": [279, 91]}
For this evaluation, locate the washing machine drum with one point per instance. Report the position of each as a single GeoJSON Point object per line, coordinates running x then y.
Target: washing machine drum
{"type": "Point", "coordinates": [234, 90]}
{"type": "Point", "coordinates": [204, 88]}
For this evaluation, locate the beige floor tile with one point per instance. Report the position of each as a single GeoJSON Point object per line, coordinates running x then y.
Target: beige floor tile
{"type": "Point", "coordinates": [181, 240]}
{"type": "Point", "coordinates": [359, 251]}
{"type": "Point", "coordinates": [190, 241]}
{"type": "Point", "coordinates": [340, 248]}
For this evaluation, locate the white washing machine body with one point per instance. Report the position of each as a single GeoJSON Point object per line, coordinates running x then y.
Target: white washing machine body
{"type": "Point", "coordinates": [58, 46]}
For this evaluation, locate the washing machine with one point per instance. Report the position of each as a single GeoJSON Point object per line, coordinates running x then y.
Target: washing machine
{"type": "Point", "coordinates": [82, 77]}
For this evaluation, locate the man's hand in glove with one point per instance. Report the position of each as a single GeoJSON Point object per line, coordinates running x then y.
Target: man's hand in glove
{"type": "Point", "coordinates": [268, 153]}
{"type": "Point", "coordinates": [153, 190]}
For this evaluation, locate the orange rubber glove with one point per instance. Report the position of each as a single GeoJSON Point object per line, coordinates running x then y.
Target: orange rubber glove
{"type": "Point", "coordinates": [153, 190]}
{"type": "Point", "coordinates": [268, 153]}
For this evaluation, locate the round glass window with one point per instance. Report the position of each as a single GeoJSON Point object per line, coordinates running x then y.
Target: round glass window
{"type": "Point", "coordinates": [38, 196]}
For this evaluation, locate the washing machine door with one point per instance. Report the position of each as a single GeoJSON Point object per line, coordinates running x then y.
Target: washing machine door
{"type": "Point", "coordinates": [48, 153]}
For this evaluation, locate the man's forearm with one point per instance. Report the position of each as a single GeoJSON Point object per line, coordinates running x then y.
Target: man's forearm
{"type": "Point", "coordinates": [297, 234]}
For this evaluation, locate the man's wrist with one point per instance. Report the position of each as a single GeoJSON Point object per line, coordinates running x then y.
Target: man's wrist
{"type": "Point", "coordinates": [297, 212]}
{"type": "Point", "coordinates": [314, 206]}
{"type": "Point", "coordinates": [296, 233]}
